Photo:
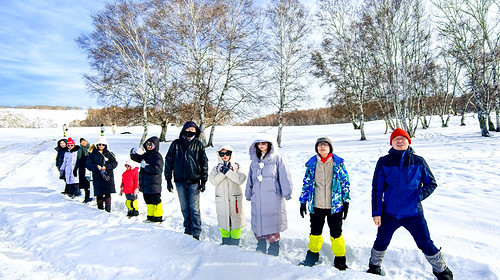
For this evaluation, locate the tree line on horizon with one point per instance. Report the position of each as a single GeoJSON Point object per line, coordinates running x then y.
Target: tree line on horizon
{"type": "Point", "coordinates": [214, 61]}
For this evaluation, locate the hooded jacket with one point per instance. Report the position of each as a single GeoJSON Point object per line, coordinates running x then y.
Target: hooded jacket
{"type": "Point", "coordinates": [187, 159]}
{"type": "Point", "coordinates": [340, 184]}
{"type": "Point", "coordinates": [130, 180]}
{"type": "Point", "coordinates": [400, 182]}
{"type": "Point", "coordinates": [60, 153]}
{"type": "Point", "coordinates": [108, 159]}
{"type": "Point", "coordinates": [269, 183]}
{"type": "Point", "coordinates": [150, 175]}
{"type": "Point", "coordinates": [70, 163]}
{"type": "Point", "coordinates": [228, 193]}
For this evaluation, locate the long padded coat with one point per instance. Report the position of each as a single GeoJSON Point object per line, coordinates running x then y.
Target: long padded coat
{"type": "Point", "coordinates": [68, 165]}
{"type": "Point", "coordinates": [107, 158]}
{"type": "Point", "coordinates": [269, 183]}
{"type": "Point", "coordinates": [228, 194]}
{"type": "Point", "coordinates": [150, 175]}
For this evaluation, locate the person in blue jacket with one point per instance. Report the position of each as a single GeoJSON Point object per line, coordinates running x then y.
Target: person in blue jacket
{"type": "Point", "coordinates": [401, 181]}
{"type": "Point", "coordinates": [326, 190]}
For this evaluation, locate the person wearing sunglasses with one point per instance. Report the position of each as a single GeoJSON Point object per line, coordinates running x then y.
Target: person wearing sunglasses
{"type": "Point", "coordinates": [227, 179]}
{"type": "Point", "coordinates": [69, 164]}
{"type": "Point", "coordinates": [269, 184]}
{"type": "Point", "coordinates": [101, 162]}
{"type": "Point", "coordinates": [150, 177]}
{"type": "Point", "coordinates": [80, 170]}
{"type": "Point", "coordinates": [187, 162]}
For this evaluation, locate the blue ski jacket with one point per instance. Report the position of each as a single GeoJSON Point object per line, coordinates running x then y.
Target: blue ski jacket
{"type": "Point", "coordinates": [340, 184]}
{"type": "Point", "coordinates": [400, 182]}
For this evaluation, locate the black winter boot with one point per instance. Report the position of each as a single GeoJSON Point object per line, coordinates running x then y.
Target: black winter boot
{"type": "Point", "coordinates": [234, 242]}
{"type": "Point", "coordinates": [311, 259]}
{"type": "Point", "coordinates": [100, 204]}
{"type": "Point", "coordinates": [339, 263]}
{"type": "Point", "coordinates": [226, 241]}
{"type": "Point", "coordinates": [274, 248]}
{"type": "Point", "coordinates": [375, 269]}
{"type": "Point", "coordinates": [444, 275]}
{"type": "Point", "coordinates": [107, 201]}
{"type": "Point", "coordinates": [261, 246]}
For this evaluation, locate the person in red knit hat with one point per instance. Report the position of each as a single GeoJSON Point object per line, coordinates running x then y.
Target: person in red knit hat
{"type": "Point", "coordinates": [401, 181]}
{"type": "Point", "coordinates": [130, 187]}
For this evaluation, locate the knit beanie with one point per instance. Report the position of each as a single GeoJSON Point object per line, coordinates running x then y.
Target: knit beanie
{"type": "Point", "coordinates": [400, 132]}
{"type": "Point", "coordinates": [101, 140]}
{"type": "Point", "coordinates": [71, 141]}
{"type": "Point", "coordinates": [324, 139]}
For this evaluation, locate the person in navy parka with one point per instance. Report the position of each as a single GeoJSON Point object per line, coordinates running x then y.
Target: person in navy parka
{"type": "Point", "coordinates": [400, 182]}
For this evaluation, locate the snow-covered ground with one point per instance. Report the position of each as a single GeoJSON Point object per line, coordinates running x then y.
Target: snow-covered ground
{"type": "Point", "coordinates": [44, 235]}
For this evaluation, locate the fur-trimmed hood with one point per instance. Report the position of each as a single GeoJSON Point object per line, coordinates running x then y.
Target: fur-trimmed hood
{"type": "Point", "coordinates": [263, 137]}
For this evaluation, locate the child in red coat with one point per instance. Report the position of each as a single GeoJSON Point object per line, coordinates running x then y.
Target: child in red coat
{"type": "Point", "coordinates": [130, 187]}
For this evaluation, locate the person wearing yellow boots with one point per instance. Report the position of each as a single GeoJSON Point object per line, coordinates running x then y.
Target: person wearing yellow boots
{"type": "Point", "coordinates": [326, 191]}
{"type": "Point", "coordinates": [150, 177]}
{"type": "Point", "coordinates": [130, 187]}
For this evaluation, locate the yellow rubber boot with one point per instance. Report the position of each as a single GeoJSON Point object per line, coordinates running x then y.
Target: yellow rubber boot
{"type": "Point", "coordinates": [150, 212]}
{"type": "Point", "coordinates": [338, 246]}
{"type": "Point", "coordinates": [315, 243]}
{"type": "Point", "coordinates": [128, 204]}
{"type": "Point", "coordinates": [158, 213]}
{"type": "Point", "coordinates": [135, 205]}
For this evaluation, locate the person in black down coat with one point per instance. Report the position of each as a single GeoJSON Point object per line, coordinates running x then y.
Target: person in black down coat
{"type": "Point", "coordinates": [187, 160]}
{"type": "Point", "coordinates": [150, 177]}
{"type": "Point", "coordinates": [102, 162]}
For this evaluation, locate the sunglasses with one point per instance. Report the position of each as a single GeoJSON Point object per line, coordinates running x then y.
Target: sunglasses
{"type": "Point", "coordinates": [228, 153]}
{"type": "Point", "coordinates": [71, 145]}
{"type": "Point", "coordinates": [261, 143]}
{"type": "Point", "coordinates": [101, 144]}
{"type": "Point", "coordinates": [149, 144]}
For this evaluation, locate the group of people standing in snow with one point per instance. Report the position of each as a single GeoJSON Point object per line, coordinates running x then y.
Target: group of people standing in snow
{"type": "Point", "coordinates": [401, 181]}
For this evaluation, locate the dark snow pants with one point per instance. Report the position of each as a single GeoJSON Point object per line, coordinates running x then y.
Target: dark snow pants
{"type": "Point", "coordinates": [416, 225]}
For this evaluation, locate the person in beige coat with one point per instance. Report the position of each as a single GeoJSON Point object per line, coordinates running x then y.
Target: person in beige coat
{"type": "Point", "coordinates": [227, 179]}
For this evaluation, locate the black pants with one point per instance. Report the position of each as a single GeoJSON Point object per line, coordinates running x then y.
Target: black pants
{"type": "Point", "coordinates": [318, 221]}
{"type": "Point", "coordinates": [152, 198]}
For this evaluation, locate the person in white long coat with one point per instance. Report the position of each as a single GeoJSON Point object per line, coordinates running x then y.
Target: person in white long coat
{"type": "Point", "coordinates": [269, 183]}
{"type": "Point", "coordinates": [227, 179]}
{"type": "Point", "coordinates": [69, 169]}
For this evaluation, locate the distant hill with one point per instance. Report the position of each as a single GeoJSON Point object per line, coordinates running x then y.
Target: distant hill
{"type": "Point", "coordinates": [39, 118]}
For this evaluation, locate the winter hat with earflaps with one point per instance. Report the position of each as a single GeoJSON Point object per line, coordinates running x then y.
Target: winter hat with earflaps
{"type": "Point", "coordinates": [326, 140]}
{"type": "Point", "coordinates": [400, 132]}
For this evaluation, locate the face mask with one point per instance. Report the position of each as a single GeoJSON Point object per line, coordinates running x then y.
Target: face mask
{"type": "Point", "coordinates": [189, 134]}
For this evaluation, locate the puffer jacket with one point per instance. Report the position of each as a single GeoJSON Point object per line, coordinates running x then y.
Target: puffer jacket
{"type": "Point", "coordinates": [269, 183]}
{"type": "Point", "coordinates": [60, 153]}
{"type": "Point", "coordinates": [130, 180]}
{"type": "Point", "coordinates": [187, 160]}
{"type": "Point", "coordinates": [400, 182]}
{"type": "Point", "coordinates": [228, 194]}
{"type": "Point", "coordinates": [108, 159]}
{"type": "Point", "coordinates": [69, 164]}
{"type": "Point", "coordinates": [150, 175]}
{"type": "Point", "coordinates": [340, 184]}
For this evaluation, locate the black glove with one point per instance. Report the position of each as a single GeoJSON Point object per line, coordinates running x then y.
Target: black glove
{"type": "Point", "coordinates": [105, 175]}
{"type": "Point", "coordinates": [75, 172]}
{"type": "Point", "coordinates": [224, 169]}
{"type": "Point", "coordinates": [62, 175]}
{"type": "Point", "coordinates": [170, 187]}
{"type": "Point", "coordinates": [345, 208]}
{"type": "Point", "coordinates": [201, 186]}
{"type": "Point", "coordinates": [303, 209]}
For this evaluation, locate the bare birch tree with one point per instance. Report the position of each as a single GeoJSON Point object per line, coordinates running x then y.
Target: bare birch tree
{"type": "Point", "coordinates": [471, 28]}
{"type": "Point", "coordinates": [118, 51]}
{"type": "Point", "coordinates": [288, 56]}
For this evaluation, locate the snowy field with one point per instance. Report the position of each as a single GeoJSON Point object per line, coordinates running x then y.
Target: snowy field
{"type": "Point", "coordinates": [45, 235]}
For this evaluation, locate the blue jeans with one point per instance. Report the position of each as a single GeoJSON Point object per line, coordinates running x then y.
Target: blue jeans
{"type": "Point", "coordinates": [189, 198]}
{"type": "Point", "coordinates": [416, 225]}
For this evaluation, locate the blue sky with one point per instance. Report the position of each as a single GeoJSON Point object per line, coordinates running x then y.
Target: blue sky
{"type": "Point", "coordinates": [40, 63]}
